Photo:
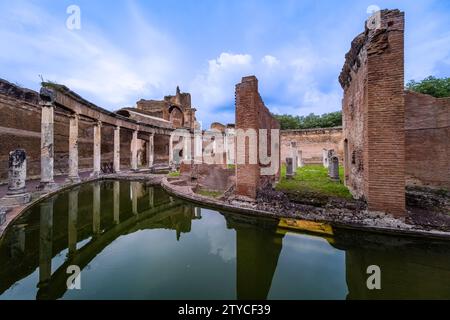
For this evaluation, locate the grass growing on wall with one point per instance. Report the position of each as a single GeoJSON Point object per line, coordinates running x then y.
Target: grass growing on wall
{"type": "Point", "coordinates": [174, 174]}
{"type": "Point", "coordinates": [313, 181]}
{"type": "Point", "coordinates": [209, 193]}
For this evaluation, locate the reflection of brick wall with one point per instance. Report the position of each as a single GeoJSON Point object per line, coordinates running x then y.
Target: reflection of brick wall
{"type": "Point", "coordinates": [251, 113]}
{"type": "Point", "coordinates": [312, 142]}
{"type": "Point", "coordinates": [427, 127]}
{"type": "Point", "coordinates": [373, 106]}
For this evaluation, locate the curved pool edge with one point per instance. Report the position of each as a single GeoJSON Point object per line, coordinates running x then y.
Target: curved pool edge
{"type": "Point", "coordinates": [15, 213]}
{"type": "Point", "coordinates": [186, 193]}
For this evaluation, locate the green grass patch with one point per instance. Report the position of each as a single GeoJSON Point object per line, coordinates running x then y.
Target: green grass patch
{"type": "Point", "coordinates": [174, 174]}
{"type": "Point", "coordinates": [313, 181]}
{"type": "Point", "coordinates": [209, 193]}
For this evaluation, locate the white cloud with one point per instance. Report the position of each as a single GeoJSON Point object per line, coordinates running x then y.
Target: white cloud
{"type": "Point", "coordinates": [87, 60]}
{"type": "Point", "coordinates": [270, 61]}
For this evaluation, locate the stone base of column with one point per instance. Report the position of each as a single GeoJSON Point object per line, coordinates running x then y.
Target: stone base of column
{"type": "Point", "coordinates": [95, 175]}
{"type": "Point", "coordinates": [15, 200]}
{"type": "Point", "coordinates": [47, 186]}
{"type": "Point", "coordinates": [71, 180]}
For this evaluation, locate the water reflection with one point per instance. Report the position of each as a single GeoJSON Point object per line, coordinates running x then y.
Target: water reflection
{"type": "Point", "coordinates": [133, 241]}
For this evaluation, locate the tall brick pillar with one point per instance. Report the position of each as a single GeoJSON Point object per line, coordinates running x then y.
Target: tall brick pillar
{"type": "Point", "coordinates": [248, 173]}
{"type": "Point", "coordinates": [385, 121]}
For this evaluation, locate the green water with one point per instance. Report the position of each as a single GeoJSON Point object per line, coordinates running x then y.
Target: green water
{"type": "Point", "coordinates": [133, 241]}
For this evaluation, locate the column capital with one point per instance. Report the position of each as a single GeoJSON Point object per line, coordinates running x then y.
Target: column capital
{"type": "Point", "coordinates": [46, 104]}
{"type": "Point", "coordinates": [98, 123]}
{"type": "Point", "coordinates": [74, 115]}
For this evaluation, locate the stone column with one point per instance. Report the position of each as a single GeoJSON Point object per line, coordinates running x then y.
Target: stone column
{"type": "Point", "coordinates": [151, 150]}
{"type": "Point", "coordinates": [171, 150]}
{"type": "Point", "coordinates": [294, 156]}
{"type": "Point", "coordinates": [47, 146]}
{"type": "Point", "coordinates": [45, 242]}
{"type": "Point", "coordinates": [73, 150]}
{"type": "Point", "coordinates": [96, 210]}
{"type": "Point", "coordinates": [97, 149]}
{"type": "Point", "coordinates": [300, 159]}
{"type": "Point", "coordinates": [333, 169]}
{"type": "Point", "coordinates": [134, 151]}
{"type": "Point", "coordinates": [72, 221]}
{"type": "Point", "coordinates": [116, 151]}
{"type": "Point", "coordinates": [116, 200]}
{"type": "Point", "coordinates": [325, 158]}
{"type": "Point", "coordinates": [289, 168]}
{"type": "Point", "coordinates": [17, 175]}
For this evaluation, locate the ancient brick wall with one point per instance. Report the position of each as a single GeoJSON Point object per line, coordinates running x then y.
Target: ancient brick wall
{"type": "Point", "coordinates": [374, 113]}
{"type": "Point", "coordinates": [251, 113]}
{"type": "Point", "coordinates": [427, 125]}
{"type": "Point", "coordinates": [312, 142]}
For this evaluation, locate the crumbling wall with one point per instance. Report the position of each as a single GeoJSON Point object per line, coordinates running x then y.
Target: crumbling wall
{"type": "Point", "coordinates": [427, 125]}
{"type": "Point", "coordinates": [374, 114]}
{"type": "Point", "coordinates": [312, 142]}
{"type": "Point", "coordinates": [251, 113]}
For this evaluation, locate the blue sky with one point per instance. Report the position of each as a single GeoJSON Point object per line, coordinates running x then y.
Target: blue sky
{"type": "Point", "coordinates": [127, 50]}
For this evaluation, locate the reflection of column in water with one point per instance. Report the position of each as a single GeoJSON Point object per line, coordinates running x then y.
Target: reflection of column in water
{"type": "Point", "coordinates": [45, 242]}
{"type": "Point", "coordinates": [96, 209]}
{"type": "Point", "coordinates": [198, 213]}
{"type": "Point", "coordinates": [73, 217]}
{"type": "Point", "coordinates": [116, 200]}
{"type": "Point", "coordinates": [18, 241]}
{"type": "Point", "coordinates": [134, 197]}
{"type": "Point", "coordinates": [151, 197]}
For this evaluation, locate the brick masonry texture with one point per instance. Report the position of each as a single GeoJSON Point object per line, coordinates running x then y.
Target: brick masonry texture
{"type": "Point", "coordinates": [427, 127]}
{"type": "Point", "coordinates": [251, 113]}
{"type": "Point", "coordinates": [312, 142]}
{"type": "Point", "coordinates": [374, 115]}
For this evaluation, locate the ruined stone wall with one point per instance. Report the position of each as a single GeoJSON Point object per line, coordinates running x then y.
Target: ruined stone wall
{"type": "Point", "coordinates": [312, 142]}
{"type": "Point", "coordinates": [251, 113]}
{"type": "Point", "coordinates": [427, 125]}
{"type": "Point", "coordinates": [374, 113]}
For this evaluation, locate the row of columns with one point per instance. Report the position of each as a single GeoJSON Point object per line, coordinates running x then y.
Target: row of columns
{"type": "Point", "coordinates": [47, 148]}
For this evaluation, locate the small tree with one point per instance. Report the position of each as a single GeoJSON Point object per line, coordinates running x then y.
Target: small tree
{"type": "Point", "coordinates": [436, 87]}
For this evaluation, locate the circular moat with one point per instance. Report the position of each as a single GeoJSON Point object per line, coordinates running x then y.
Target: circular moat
{"type": "Point", "coordinates": [129, 240]}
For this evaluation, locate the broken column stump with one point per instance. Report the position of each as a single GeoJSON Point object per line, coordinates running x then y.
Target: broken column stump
{"type": "Point", "coordinates": [17, 194]}
{"type": "Point", "coordinates": [333, 169]}
{"type": "Point", "coordinates": [289, 168]}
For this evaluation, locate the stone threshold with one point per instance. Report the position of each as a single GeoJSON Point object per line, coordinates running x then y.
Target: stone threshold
{"type": "Point", "coordinates": [186, 192]}
{"type": "Point", "coordinates": [39, 196]}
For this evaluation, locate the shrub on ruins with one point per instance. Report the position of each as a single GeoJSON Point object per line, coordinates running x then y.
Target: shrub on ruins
{"type": "Point", "coordinates": [327, 120]}
{"type": "Point", "coordinates": [436, 87]}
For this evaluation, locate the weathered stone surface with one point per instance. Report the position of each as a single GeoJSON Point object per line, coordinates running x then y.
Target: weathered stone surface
{"type": "Point", "coordinates": [290, 168]}
{"type": "Point", "coordinates": [333, 169]}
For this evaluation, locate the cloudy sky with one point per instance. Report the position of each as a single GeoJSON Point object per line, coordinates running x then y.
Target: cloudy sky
{"type": "Point", "coordinates": [130, 49]}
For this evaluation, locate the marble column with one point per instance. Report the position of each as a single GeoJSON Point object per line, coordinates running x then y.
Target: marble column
{"type": "Point", "coordinates": [73, 150]}
{"type": "Point", "coordinates": [47, 146]}
{"type": "Point", "coordinates": [96, 209]}
{"type": "Point", "coordinates": [171, 150]}
{"type": "Point", "coordinates": [134, 151]}
{"type": "Point", "coordinates": [97, 149]}
{"type": "Point", "coordinates": [45, 242]}
{"type": "Point", "coordinates": [289, 168]}
{"type": "Point", "coordinates": [72, 221]}
{"type": "Point", "coordinates": [117, 149]}
{"type": "Point", "coordinates": [151, 150]}
{"type": "Point", "coordinates": [300, 159]}
{"type": "Point", "coordinates": [17, 173]}
{"type": "Point", "coordinates": [116, 201]}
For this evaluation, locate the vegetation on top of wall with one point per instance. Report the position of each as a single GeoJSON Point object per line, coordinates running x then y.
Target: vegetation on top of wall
{"type": "Point", "coordinates": [174, 174]}
{"type": "Point", "coordinates": [327, 120]}
{"type": "Point", "coordinates": [436, 87]}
